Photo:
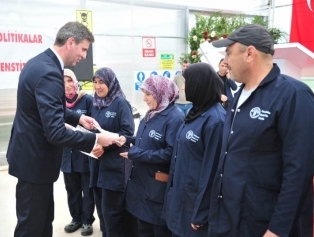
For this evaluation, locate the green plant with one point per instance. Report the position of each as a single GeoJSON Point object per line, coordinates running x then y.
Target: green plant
{"type": "Point", "coordinates": [217, 26]}
{"type": "Point", "coordinates": [277, 34]}
{"type": "Point", "coordinates": [260, 20]}
{"type": "Point", "coordinates": [184, 56]}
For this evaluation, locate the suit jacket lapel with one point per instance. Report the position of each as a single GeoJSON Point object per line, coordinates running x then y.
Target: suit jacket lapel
{"type": "Point", "coordinates": [51, 54]}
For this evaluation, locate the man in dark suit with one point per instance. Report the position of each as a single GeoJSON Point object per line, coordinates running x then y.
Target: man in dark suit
{"type": "Point", "coordinates": [39, 133]}
{"type": "Point", "coordinates": [229, 84]}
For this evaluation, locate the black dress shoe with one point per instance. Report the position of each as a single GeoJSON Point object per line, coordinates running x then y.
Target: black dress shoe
{"type": "Point", "coordinates": [73, 226]}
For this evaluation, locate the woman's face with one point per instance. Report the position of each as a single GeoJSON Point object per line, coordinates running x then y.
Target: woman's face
{"type": "Point", "coordinates": [69, 85]}
{"type": "Point", "coordinates": [150, 100]}
{"type": "Point", "coordinates": [100, 87]}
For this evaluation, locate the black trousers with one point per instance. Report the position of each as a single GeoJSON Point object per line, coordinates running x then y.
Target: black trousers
{"type": "Point", "coordinates": [112, 203]}
{"type": "Point", "coordinates": [34, 209]}
{"type": "Point", "coordinates": [80, 196]}
{"type": "Point", "coordinates": [97, 197]}
{"type": "Point", "coordinates": [130, 224]}
{"type": "Point", "coordinates": [114, 220]}
{"type": "Point", "coordinates": [146, 229]}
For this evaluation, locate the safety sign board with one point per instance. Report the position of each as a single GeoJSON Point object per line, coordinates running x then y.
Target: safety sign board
{"type": "Point", "coordinates": [149, 47]}
{"type": "Point", "coordinates": [166, 61]}
{"type": "Point", "coordinates": [141, 76]}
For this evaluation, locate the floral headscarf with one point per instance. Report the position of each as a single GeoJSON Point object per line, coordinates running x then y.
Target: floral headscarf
{"type": "Point", "coordinates": [114, 90]}
{"type": "Point", "coordinates": [164, 90]}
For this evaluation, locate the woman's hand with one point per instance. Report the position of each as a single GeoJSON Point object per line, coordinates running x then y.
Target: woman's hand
{"type": "Point", "coordinates": [120, 141]}
{"type": "Point", "coordinates": [196, 227]}
{"type": "Point", "coordinates": [98, 150]}
{"type": "Point", "coordinates": [124, 155]}
{"type": "Point", "coordinates": [223, 98]}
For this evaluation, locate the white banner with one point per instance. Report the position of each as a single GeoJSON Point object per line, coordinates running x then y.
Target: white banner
{"type": "Point", "coordinates": [17, 46]}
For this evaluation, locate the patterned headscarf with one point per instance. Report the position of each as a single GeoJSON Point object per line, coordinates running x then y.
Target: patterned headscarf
{"type": "Point", "coordinates": [163, 90]}
{"type": "Point", "coordinates": [114, 90]}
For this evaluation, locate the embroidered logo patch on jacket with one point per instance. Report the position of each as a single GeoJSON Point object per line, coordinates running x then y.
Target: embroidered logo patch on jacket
{"type": "Point", "coordinates": [154, 134]}
{"type": "Point", "coordinates": [81, 111]}
{"type": "Point", "coordinates": [191, 136]}
{"type": "Point", "coordinates": [110, 114]}
{"type": "Point", "coordinates": [259, 114]}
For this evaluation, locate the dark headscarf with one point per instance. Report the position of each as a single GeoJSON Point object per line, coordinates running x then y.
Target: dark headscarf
{"type": "Point", "coordinates": [114, 90]}
{"type": "Point", "coordinates": [203, 88]}
{"type": "Point", "coordinates": [163, 90]}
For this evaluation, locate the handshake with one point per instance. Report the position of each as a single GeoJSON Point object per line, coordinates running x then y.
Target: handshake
{"type": "Point", "coordinates": [104, 138]}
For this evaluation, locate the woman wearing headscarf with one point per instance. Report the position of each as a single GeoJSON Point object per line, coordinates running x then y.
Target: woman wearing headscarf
{"type": "Point", "coordinates": [75, 165]}
{"type": "Point", "coordinates": [151, 156]}
{"type": "Point", "coordinates": [195, 154]}
{"type": "Point", "coordinates": [109, 173]}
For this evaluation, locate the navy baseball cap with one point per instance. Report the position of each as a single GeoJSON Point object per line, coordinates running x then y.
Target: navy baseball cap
{"type": "Point", "coordinates": [252, 34]}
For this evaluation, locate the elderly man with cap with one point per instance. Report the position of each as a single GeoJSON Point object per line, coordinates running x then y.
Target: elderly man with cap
{"type": "Point", "coordinates": [263, 185]}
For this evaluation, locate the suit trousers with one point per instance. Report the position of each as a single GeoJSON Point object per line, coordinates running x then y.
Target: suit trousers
{"type": "Point", "coordinates": [34, 209]}
{"type": "Point", "coordinates": [80, 197]}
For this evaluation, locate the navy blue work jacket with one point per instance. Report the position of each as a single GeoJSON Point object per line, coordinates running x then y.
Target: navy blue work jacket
{"type": "Point", "coordinates": [193, 167]}
{"type": "Point", "coordinates": [73, 160]}
{"type": "Point", "coordinates": [112, 171]}
{"type": "Point", "coordinates": [151, 152]}
{"type": "Point", "coordinates": [266, 166]}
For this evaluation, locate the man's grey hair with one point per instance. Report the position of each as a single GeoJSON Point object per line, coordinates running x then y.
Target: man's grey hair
{"type": "Point", "coordinates": [76, 30]}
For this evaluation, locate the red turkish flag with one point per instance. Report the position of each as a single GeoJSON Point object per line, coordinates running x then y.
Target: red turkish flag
{"type": "Point", "coordinates": [302, 25]}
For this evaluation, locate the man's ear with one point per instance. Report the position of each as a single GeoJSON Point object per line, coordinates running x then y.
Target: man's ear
{"type": "Point", "coordinates": [251, 52]}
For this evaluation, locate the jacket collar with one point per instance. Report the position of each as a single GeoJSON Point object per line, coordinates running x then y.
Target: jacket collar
{"type": "Point", "coordinates": [54, 57]}
{"type": "Point", "coordinates": [271, 76]}
{"type": "Point", "coordinates": [167, 110]}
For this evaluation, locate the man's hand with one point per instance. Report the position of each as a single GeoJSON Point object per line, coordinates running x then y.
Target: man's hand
{"type": "Point", "coordinates": [270, 234]}
{"type": "Point", "coordinates": [88, 122]}
{"type": "Point", "coordinates": [98, 150]}
{"type": "Point", "coordinates": [105, 139]}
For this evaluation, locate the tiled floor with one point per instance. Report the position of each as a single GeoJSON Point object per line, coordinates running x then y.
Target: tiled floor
{"type": "Point", "coordinates": [62, 216]}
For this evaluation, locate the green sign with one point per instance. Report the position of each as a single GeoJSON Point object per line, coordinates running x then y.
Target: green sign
{"type": "Point", "coordinates": [166, 56]}
{"type": "Point", "coordinates": [166, 61]}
